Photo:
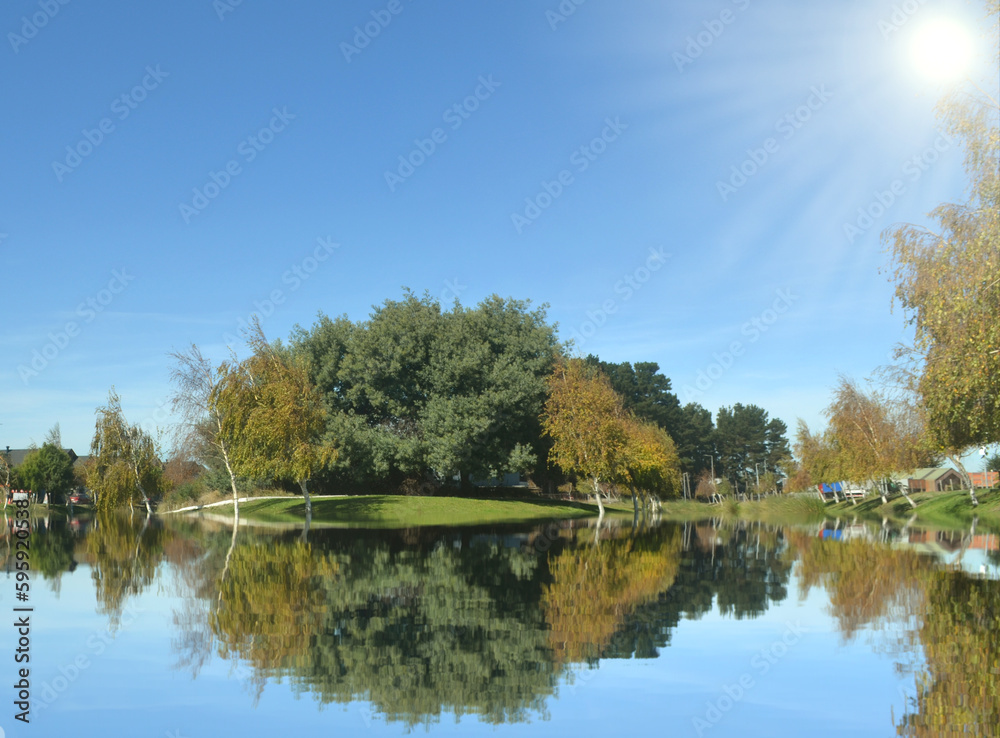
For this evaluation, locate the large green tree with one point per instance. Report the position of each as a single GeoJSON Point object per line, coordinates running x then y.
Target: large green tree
{"type": "Point", "coordinates": [49, 468]}
{"type": "Point", "coordinates": [695, 439]}
{"type": "Point", "coordinates": [645, 391]}
{"type": "Point", "coordinates": [748, 442]}
{"type": "Point", "coordinates": [947, 279]}
{"type": "Point", "coordinates": [419, 392]}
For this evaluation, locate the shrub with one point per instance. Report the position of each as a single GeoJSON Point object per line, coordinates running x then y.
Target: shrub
{"type": "Point", "coordinates": [184, 494]}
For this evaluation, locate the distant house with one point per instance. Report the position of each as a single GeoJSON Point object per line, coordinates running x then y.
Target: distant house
{"type": "Point", "coordinates": [930, 479]}
{"type": "Point", "coordinates": [15, 456]}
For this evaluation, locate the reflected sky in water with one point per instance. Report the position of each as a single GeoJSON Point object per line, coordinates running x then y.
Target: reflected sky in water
{"type": "Point", "coordinates": [180, 629]}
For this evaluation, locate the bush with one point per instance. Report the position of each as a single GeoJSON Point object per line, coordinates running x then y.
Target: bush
{"type": "Point", "coordinates": [218, 479]}
{"type": "Point", "coordinates": [184, 494]}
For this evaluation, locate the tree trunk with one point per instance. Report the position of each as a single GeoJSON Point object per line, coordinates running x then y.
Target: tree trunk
{"type": "Point", "coordinates": [138, 483]}
{"type": "Point", "coordinates": [597, 498]}
{"type": "Point", "coordinates": [232, 479]}
{"type": "Point", "coordinates": [305, 494]}
{"type": "Point", "coordinates": [966, 479]}
{"type": "Point", "coordinates": [145, 499]}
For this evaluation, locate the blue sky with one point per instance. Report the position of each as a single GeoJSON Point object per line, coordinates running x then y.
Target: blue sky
{"type": "Point", "coordinates": [171, 168]}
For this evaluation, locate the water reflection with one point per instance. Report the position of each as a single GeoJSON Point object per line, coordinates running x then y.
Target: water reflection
{"type": "Point", "coordinates": [959, 692]}
{"type": "Point", "coordinates": [491, 622]}
{"type": "Point", "coordinates": [954, 617]}
{"type": "Point", "coordinates": [484, 622]}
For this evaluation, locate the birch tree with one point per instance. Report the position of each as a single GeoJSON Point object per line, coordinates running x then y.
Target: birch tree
{"type": "Point", "coordinates": [271, 417]}
{"type": "Point", "coordinates": [125, 462]}
{"type": "Point", "coordinates": [584, 417]}
{"type": "Point", "coordinates": [201, 420]}
{"type": "Point", "coordinates": [947, 278]}
{"type": "Point", "coordinates": [875, 436]}
{"type": "Point", "coordinates": [650, 464]}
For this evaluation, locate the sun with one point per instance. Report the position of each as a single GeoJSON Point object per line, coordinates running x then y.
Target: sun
{"type": "Point", "coordinates": [941, 49]}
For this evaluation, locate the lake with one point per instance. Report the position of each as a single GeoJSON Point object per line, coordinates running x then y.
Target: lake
{"type": "Point", "coordinates": [176, 627]}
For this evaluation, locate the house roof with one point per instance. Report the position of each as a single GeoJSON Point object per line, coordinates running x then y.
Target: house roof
{"type": "Point", "coordinates": [15, 456]}
{"type": "Point", "coordinates": [931, 474]}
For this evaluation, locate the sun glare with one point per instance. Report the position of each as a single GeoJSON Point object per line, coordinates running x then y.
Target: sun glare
{"type": "Point", "coordinates": [941, 50]}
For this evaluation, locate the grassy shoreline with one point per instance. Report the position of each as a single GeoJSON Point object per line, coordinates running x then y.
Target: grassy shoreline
{"type": "Point", "coordinates": [948, 510]}
{"type": "Point", "coordinates": [398, 511]}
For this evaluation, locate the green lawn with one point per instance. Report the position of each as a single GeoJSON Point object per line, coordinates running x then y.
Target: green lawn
{"type": "Point", "coordinates": [948, 510]}
{"type": "Point", "coordinates": [397, 511]}
{"type": "Point", "coordinates": [934, 509]}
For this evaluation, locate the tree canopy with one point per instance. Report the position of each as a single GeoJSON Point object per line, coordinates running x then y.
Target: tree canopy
{"type": "Point", "coordinates": [947, 281]}
{"type": "Point", "coordinates": [748, 443]}
{"type": "Point", "coordinates": [47, 469]}
{"type": "Point", "coordinates": [585, 417]}
{"type": "Point", "coordinates": [124, 460]}
{"type": "Point", "coordinates": [417, 391]}
{"type": "Point", "coordinates": [270, 416]}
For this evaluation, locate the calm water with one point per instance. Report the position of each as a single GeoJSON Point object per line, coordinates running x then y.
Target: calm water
{"type": "Point", "coordinates": [178, 628]}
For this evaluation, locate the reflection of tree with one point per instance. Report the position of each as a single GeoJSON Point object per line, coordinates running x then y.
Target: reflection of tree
{"type": "Point", "coordinates": [197, 556]}
{"type": "Point", "coordinates": [475, 624]}
{"type": "Point", "coordinates": [749, 573]}
{"type": "Point", "coordinates": [960, 692]}
{"type": "Point", "coordinates": [867, 583]}
{"type": "Point", "coordinates": [595, 587]}
{"type": "Point", "coordinates": [52, 551]}
{"type": "Point", "coordinates": [124, 552]}
{"type": "Point", "coordinates": [415, 633]}
{"type": "Point", "coordinates": [742, 568]}
{"type": "Point", "coordinates": [270, 605]}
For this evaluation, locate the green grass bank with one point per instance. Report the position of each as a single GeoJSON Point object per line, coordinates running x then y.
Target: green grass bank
{"type": "Point", "coordinates": [396, 511]}
{"type": "Point", "coordinates": [949, 510]}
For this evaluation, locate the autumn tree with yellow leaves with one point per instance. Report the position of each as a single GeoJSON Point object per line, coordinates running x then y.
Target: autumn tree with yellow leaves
{"type": "Point", "coordinates": [584, 418]}
{"type": "Point", "coordinates": [271, 416]}
{"type": "Point", "coordinates": [594, 436]}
